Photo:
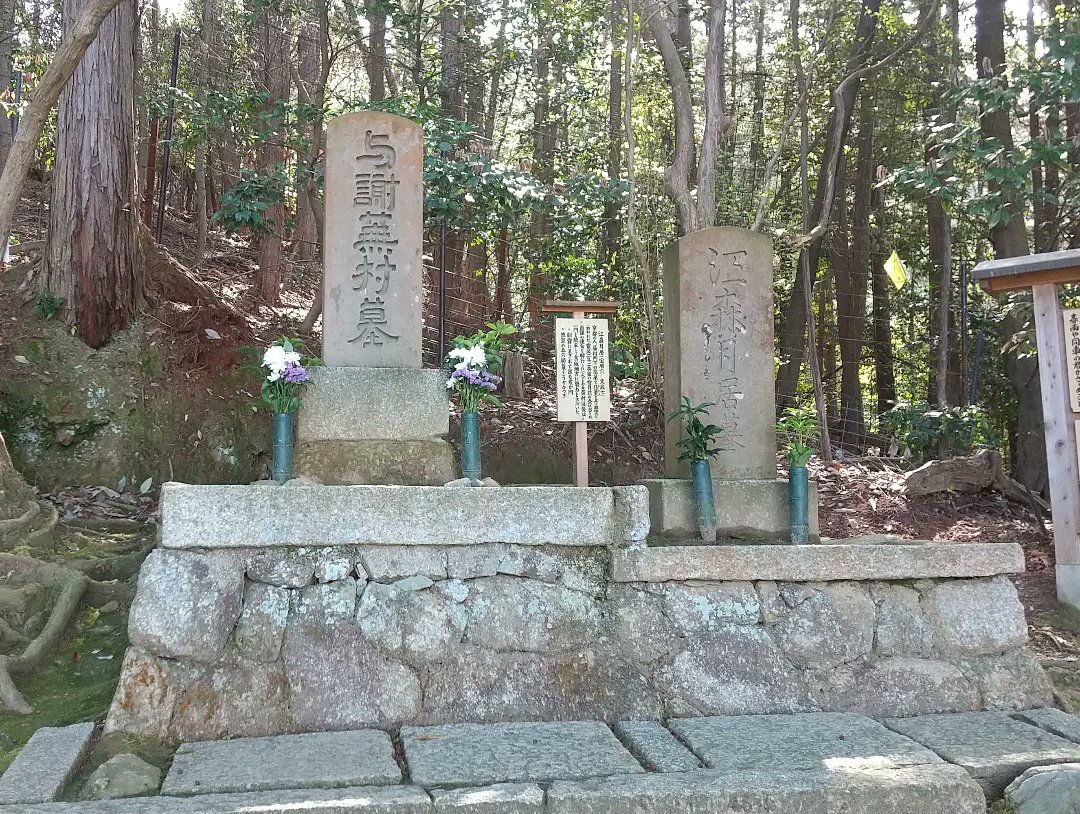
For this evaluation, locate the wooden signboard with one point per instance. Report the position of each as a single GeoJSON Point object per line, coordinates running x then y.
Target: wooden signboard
{"type": "Point", "coordinates": [1071, 318]}
{"type": "Point", "coordinates": [581, 369]}
{"type": "Point", "coordinates": [578, 309]}
{"type": "Point", "coordinates": [1056, 334]}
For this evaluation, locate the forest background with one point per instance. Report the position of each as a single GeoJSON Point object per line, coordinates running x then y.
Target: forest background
{"type": "Point", "coordinates": [568, 143]}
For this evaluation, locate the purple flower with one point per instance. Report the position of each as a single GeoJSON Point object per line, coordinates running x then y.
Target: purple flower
{"type": "Point", "coordinates": [294, 373]}
{"type": "Point", "coordinates": [477, 378]}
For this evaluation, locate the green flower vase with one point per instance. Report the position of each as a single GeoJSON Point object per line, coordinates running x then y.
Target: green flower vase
{"type": "Point", "coordinates": [470, 445]}
{"type": "Point", "coordinates": [701, 475]}
{"type": "Point", "coordinates": [283, 446]}
{"type": "Point", "coordinates": [799, 500]}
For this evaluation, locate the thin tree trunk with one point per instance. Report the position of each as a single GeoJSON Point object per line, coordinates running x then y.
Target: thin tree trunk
{"type": "Point", "coordinates": [271, 79]}
{"type": "Point", "coordinates": [677, 179]}
{"type": "Point", "coordinates": [91, 248]}
{"type": "Point", "coordinates": [884, 376]}
{"type": "Point", "coordinates": [851, 293]}
{"type": "Point", "coordinates": [543, 169]}
{"type": "Point", "coordinates": [496, 78]}
{"type": "Point", "coordinates": [795, 310]}
{"type": "Point", "coordinates": [716, 119]}
{"type": "Point", "coordinates": [375, 65]}
{"type": "Point", "coordinates": [609, 242]}
{"type": "Point", "coordinates": [150, 184]}
{"type": "Point", "coordinates": [757, 140]}
{"type": "Point", "coordinates": [7, 38]}
{"type": "Point", "coordinates": [1009, 238]}
{"type": "Point", "coordinates": [304, 242]}
{"type": "Point", "coordinates": [201, 217]}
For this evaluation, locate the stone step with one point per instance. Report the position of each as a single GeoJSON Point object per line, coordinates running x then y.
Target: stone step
{"type": "Point", "coordinates": [940, 788]}
{"type": "Point", "coordinates": [815, 762]}
{"type": "Point", "coordinates": [317, 760]}
{"type": "Point", "coordinates": [993, 747]}
{"type": "Point", "coordinates": [45, 765]}
{"type": "Point", "coordinates": [463, 755]}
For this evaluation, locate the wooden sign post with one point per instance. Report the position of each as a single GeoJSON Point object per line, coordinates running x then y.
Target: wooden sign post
{"type": "Point", "coordinates": [1059, 363]}
{"type": "Point", "coordinates": [582, 379]}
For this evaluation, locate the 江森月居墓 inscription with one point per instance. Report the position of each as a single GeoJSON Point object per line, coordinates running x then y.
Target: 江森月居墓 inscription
{"type": "Point", "coordinates": [721, 335]}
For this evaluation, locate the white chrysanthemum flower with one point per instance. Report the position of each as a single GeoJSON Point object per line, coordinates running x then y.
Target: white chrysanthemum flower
{"type": "Point", "coordinates": [273, 376]}
{"type": "Point", "coordinates": [292, 357]}
{"type": "Point", "coordinates": [274, 359]}
{"type": "Point", "coordinates": [477, 356]}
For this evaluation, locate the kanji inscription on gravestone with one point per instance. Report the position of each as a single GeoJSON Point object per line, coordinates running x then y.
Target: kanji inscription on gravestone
{"type": "Point", "coordinates": [1072, 354]}
{"type": "Point", "coordinates": [719, 346]}
{"type": "Point", "coordinates": [373, 287]}
{"type": "Point", "coordinates": [581, 369]}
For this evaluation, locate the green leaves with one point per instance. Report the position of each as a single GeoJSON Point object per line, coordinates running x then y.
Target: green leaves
{"type": "Point", "coordinates": [246, 204]}
{"type": "Point", "coordinates": [800, 425]}
{"type": "Point", "coordinates": [698, 444]}
{"type": "Point", "coordinates": [47, 305]}
{"type": "Point", "coordinates": [924, 430]}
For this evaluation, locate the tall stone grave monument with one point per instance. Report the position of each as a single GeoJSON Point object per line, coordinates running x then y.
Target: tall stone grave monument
{"type": "Point", "coordinates": [718, 341]}
{"type": "Point", "coordinates": [372, 415]}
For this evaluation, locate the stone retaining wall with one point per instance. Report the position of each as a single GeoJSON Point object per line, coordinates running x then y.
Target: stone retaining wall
{"type": "Point", "coordinates": [254, 641]}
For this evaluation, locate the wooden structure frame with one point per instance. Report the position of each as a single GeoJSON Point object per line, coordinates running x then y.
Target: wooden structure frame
{"type": "Point", "coordinates": [577, 310]}
{"type": "Point", "coordinates": [1043, 273]}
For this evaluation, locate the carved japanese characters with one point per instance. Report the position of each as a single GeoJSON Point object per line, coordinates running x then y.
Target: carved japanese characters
{"type": "Point", "coordinates": [373, 291]}
{"type": "Point", "coordinates": [718, 323]}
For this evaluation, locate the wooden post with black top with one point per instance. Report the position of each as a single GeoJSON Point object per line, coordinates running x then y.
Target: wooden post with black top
{"type": "Point", "coordinates": [577, 310]}
{"type": "Point", "coordinates": [1043, 273]}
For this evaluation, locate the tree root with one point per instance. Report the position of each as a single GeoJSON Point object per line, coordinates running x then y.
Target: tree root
{"type": "Point", "coordinates": [22, 522]}
{"type": "Point", "coordinates": [8, 633]}
{"type": "Point", "coordinates": [122, 566]}
{"type": "Point", "coordinates": [10, 697]}
{"type": "Point", "coordinates": [43, 532]}
{"type": "Point", "coordinates": [165, 278]}
{"type": "Point", "coordinates": [74, 586]}
{"type": "Point", "coordinates": [60, 617]}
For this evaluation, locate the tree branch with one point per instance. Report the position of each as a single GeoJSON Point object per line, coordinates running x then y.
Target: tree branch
{"type": "Point", "coordinates": [716, 119]}
{"type": "Point", "coordinates": [677, 176]}
{"type": "Point", "coordinates": [839, 117]}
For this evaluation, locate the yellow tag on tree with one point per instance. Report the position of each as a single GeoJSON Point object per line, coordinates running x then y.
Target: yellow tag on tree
{"type": "Point", "coordinates": [894, 267]}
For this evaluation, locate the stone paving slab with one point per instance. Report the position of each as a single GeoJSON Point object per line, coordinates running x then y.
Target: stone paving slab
{"type": "Point", "coordinates": [505, 798]}
{"type": "Point", "coordinates": [44, 766]}
{"type": "Point", "coordinates": [463, 755]}
{"type": "Point", "coordinates": [655, 746]}
{"type": "Point", "coordinates": [993, 747]}
{"type": "Point", "coordinates": [319, 760]}
{"type": "Point", "coordinates": [789, 742]}
{"type": "Point", "coordinates": [930, 789]}
{"type": "Point", "coordinates": [1053, 721]}
{"type": "Point", "coordinates": [393, 800]}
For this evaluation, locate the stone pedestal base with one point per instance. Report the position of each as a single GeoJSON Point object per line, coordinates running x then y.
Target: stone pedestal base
{"type": "Point", "coordinates": [427, 462]}
{"type": "Point", "coordinates": [746, 509]}
{"type": "Point", "coordinates": [375, 426]}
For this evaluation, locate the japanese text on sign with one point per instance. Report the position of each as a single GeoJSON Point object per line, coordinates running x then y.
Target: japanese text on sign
{"type": "Point", "coordinates": [581, 369]}
{"type": "Point", "coordinates": [1072, 354]}
{"type": "Point", "coordinates": [374, 200]}
{"type": "Point", "coordinates": [721, 337]}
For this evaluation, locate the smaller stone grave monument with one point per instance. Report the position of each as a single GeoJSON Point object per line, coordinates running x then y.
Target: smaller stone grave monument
{"type": "Point", "coordinates": [718, 340]}
{"type": "Point", "coordinates": [373, 415]}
